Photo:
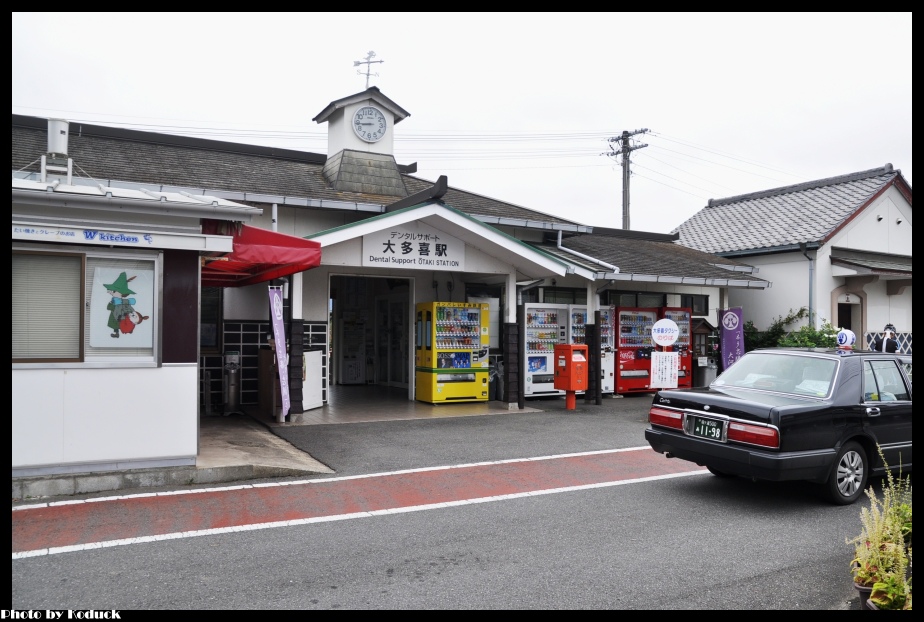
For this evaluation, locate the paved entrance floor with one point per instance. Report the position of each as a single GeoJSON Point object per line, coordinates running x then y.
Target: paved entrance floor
{"type": "Point", "coordinates": [243, 447]}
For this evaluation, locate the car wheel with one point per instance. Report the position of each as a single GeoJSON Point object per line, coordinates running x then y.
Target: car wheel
{"type": "Point", "coordinates": [851, 472]}
{"type": "Point", "coordinates": [719, 473]}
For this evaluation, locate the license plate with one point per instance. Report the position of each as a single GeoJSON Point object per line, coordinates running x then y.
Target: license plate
{"type": "Point", "coordinates": [708, 428]}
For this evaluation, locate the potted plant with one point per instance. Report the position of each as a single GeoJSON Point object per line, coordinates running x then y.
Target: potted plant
{"type": "Point", "coordinates": [882, 552]}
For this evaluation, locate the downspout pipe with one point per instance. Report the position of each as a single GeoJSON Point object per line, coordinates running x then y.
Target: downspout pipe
{"type": "Point", "coordinates": [612, 269]}
{"type": "Point", "coordinates": [811, 284]}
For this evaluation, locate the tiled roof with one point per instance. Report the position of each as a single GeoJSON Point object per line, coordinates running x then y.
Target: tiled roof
{"type": "Point", "coordinates": [656, 256]}
{"type": "Point", "coordinates": [872, 263]}
{"type": "Point", "coordinates": [105, 153]}
{"type": "Point", "coordinates": [782, 217]}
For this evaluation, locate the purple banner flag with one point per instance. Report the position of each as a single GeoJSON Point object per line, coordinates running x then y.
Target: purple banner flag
{"type": "Point", "coordinates": [732, 336]}
{"type": "Point", "coordinates": [279, 338]}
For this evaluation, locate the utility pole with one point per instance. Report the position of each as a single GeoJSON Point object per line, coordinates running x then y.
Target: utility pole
{"type": "Point", "coordinates": [368, 63]}
{"type": "Point", "coordinates": [624, 150]}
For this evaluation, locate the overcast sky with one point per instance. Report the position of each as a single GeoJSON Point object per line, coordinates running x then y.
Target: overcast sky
{"type": "Point", "coordinates": [518, 107]}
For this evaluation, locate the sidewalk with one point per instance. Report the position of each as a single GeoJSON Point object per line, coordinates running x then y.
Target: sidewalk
{"type": "Point", "coordinates": [231, 449]}
{"type": "Point", "coordinates": [243, 447]}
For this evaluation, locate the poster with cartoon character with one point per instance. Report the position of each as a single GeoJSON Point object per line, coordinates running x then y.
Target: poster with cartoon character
{"type": "Point", "coordinates": [121, 307]}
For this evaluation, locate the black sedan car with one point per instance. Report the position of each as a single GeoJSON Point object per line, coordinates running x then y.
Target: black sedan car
{"type": "Point", "coordinates": [823, 415]}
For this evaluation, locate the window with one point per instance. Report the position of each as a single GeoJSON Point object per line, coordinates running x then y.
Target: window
{"type": "Point", "coordinates": [210, 320]}
{"type": "Point", "coordinates": [637, 299]}
{"type": "Point", "coordinates": [79, 307]}
{"type": "Point", "coordinates": [47, 315]}
{"type": "Point", "coordinates": [882, 382]}
{"type": "Point", "coordinates": [699, 304]}
{"type": "Point", "coordinates": [564, 295]}
{"type": "Point", "coordinates": [699, 344]}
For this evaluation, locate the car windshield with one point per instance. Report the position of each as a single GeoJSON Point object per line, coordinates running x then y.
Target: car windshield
{"type": "Point", "coordinates": [785, 373]}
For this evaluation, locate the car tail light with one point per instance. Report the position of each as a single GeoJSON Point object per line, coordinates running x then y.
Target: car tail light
{"type": "Point", "coordinates": [753, 434]}
{"type": "Point", "coordinates": [666, 417]}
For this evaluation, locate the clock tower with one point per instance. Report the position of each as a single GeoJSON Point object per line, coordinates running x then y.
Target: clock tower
{"type": "Point", "coordinates": [360, 143]}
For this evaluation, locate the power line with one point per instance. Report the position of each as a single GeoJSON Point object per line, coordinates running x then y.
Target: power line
{"type": "Point", "coordinates": [669, 177]}
{"type": "Point", "coordinates": [734, 168]}
{"type": "Point", "coordinates": [485, 145]}
{"type": "Point", "coordinates": [723, 154]}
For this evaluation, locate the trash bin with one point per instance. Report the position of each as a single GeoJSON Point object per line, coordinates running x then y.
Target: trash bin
{"type": "Point", "coordinates": [232, 382]}
{"type": "Point", "coordinates": [705, 374]}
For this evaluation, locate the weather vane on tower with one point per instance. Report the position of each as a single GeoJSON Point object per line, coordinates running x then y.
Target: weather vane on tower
{"type": "Point", "coordinates": [368, 63]}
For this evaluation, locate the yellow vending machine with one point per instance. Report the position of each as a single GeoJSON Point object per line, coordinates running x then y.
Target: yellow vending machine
{"type": "Point", "coordinates": [451, 352]}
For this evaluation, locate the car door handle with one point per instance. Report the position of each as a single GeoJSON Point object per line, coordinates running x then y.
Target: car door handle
{"type": "Point", "coordinates": [872, 411]}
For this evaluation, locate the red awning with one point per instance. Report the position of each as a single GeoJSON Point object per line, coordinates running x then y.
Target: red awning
{"type": "Point", "coordinates": [259, 255]}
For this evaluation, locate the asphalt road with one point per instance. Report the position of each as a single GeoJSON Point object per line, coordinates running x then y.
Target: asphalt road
{"type": "Point", "coordinates": [689, 542]}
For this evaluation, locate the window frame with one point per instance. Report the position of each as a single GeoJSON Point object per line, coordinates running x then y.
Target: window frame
{"type": "Point", "coordinates": [690, 301]}
{"type": "Point", "coordinates": [154, 359]}
{"type": "Point", "coordinates": [81, 335]}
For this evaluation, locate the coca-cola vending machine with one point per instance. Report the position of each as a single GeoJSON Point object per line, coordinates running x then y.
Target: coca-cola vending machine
{"type": "Point", "coordinates": [683, 317]}
{"type": "Point", "coordinates": [633, 348]}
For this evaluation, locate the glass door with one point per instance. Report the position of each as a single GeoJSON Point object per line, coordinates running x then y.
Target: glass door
{"type": "Point", "coordinates": [397, 342]}
{"type": "Point", "coordinates": [392, 340]}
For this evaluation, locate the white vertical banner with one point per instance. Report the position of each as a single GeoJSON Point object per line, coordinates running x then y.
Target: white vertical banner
{"type": "Point", "coordinates": [664, 366]}
{"type": "Point", "coordinates": [279, 338]}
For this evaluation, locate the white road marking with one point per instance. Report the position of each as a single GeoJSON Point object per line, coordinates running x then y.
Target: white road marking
{"type": "Point", "coordinates": [340, 517]}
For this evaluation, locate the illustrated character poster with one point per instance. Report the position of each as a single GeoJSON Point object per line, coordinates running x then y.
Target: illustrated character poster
{"type": "Point", "coordinates": [122, 308]}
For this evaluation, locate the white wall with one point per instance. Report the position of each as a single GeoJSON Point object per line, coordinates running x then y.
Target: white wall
{"type": "Point", "coordinates": [882, 309]}
{"type": "Point", "coordinates": [340, 134]}
{"type": "Point", "coordinates": [867, 232]}
{"type": "Point", "coordinates": [788, 274]}
{"type": "Point", "coordinates": [91, 416]}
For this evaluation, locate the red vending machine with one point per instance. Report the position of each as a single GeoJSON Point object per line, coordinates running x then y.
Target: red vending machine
{"type": "Point", "coordinates": [683, 318]}
{"type": "Point", "coordinates": [633, 348]}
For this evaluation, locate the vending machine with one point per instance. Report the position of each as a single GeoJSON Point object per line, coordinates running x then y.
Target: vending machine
{"type": "Point", "coordinates": [546, 326]}
{"type": "Point", "coordinates": [452, 342]}
{"type": "Point", "coordinates": [683, 317]}
{"type": "Point", "coordinates": [577, 333]}
{"type": "Point", "coordinates": [577, 324]}
{"type": "Point", "coordinates": [607, 350]}
{"type": "Point", "coordinates": [634, 348]}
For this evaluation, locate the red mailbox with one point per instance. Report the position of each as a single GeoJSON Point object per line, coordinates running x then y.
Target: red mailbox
{"type": "Point", "coordinates": [571, 370]}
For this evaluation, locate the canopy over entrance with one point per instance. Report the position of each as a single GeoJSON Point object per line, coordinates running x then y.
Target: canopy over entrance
{"type": "Point", "coordinates": [259, 255]}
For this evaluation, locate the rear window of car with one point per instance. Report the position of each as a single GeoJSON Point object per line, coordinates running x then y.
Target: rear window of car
{"type": "Point", "coordinates": [783, 373]}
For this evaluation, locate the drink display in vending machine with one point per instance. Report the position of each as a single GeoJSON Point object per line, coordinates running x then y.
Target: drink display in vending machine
{"type": "Point", "coordinates": [607, 350]}
{"type": "Point", "coordinates": [577, 324]}
{"type": "Point", "coordinates": [683, 318]}
{"type": "Point", "coordinates": [546, 326]}
{"type": "Point", "coordinates": [452, 342]}
{"type": "Point", "coordinates": [633, 349]}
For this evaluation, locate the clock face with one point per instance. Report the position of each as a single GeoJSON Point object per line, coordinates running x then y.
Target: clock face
{"type": "Point", "coordinates": [369, 124]}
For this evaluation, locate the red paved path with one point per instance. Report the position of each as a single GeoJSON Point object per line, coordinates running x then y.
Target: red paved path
{"type": "Point", "coordinates": [131, 517]}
